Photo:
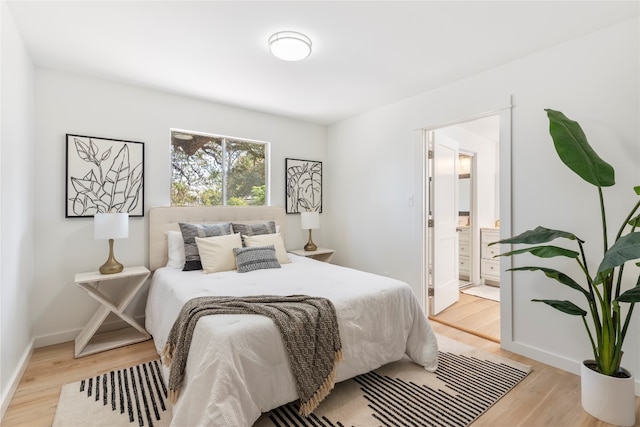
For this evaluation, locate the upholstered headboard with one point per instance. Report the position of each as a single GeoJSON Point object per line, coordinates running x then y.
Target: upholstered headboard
{"type": "Point", "coordinates": [165, 218]}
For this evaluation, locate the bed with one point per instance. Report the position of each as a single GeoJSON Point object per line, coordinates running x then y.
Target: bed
{"type": "Point", "coordinates": [237, 366]}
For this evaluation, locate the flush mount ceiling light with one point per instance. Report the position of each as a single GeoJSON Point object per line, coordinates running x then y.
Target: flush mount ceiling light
{"type": "Point", "coordinates": [290, 45]}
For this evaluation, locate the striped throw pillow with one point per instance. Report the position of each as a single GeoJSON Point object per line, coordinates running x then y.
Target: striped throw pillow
{"type": "Point", "coordinates": [189, 234]}
{"type": "Point", "coordinates": [256, 258]}
{"type": "Point", "coordinates": [254, 228]}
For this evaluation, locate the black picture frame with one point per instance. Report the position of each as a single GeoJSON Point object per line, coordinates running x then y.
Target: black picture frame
{"type": "Point", "coordinates": [303, 185]}
{"type": "Point", "coordinates": [103, 175]}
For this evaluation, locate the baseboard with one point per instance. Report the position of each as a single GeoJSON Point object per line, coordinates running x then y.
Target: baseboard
{"type": "Point", "coordinates": [554, 360]}
{"type": "Point", "coordinates": [15, 379]}
{"type": "Point", "coordinates": [70, 335]}
{"type": "Point", "coordinates": [43, 341]}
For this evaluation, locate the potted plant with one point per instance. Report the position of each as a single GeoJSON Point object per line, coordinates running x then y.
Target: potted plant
{"type": "Point", "coordinates": [608, 308]}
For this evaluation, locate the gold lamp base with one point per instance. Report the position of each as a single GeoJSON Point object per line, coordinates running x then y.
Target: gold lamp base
{"type": "Point", "coordinates": [310, 246]}
{"type": "Point", "coordinates": [112, 266]}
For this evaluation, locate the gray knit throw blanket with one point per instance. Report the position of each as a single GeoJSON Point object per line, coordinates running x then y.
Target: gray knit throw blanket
{"type": "Point", "coordinates": [309, 330]}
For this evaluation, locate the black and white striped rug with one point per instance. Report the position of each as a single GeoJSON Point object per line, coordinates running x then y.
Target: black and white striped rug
{"type": "Point", "coordinates": [466, 384]}
{"type": "Point", "coordinates": [134, 396]}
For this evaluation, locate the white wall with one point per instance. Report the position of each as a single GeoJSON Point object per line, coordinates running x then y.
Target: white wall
{"type": "Point", "coordinates": [17, 261]}
{"type": "Point", "coordinates": [68, 103]}
{"type": "Point", "coordinates": [594, 80]}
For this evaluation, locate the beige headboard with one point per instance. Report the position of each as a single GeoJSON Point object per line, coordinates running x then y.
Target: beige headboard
{"type": "Point", "coordinates": [165, 218]}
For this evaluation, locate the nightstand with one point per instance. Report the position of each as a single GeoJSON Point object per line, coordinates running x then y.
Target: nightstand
{"type": "Point", "coordinates": [114, 292]}
{"type": "Point", "coordinates": [320, 254]}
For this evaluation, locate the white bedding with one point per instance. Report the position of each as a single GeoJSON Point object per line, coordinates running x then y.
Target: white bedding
{"type": "Point", "coordinates": [237, 367]}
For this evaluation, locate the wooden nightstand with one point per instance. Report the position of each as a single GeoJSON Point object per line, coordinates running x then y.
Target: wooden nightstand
{"type": "Point", "coordinates": [320, 254]}
{"type": "Point", "coordinates": [114, 292]}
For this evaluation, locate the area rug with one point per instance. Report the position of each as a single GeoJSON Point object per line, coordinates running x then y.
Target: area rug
{"type": "Point", "coordinates": [483, 291]}
{"type": "Point", "coordinates": [132, 396]}
{"type": "Point", "coordinates": [467, 383]}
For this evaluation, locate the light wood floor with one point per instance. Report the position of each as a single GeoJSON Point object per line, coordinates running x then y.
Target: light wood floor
{"type": "Point", "coordinates": [473, 314]}
{"type": "Point", "coordinates": [547, 397]}
{"type": "Point", "coordinates": [35, 400]}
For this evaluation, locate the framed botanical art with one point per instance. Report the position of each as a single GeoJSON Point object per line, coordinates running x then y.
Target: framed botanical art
{"type": "Point", "coordinates": [303, 185]}
{"type": "Point", "coordinates": [103, 175]}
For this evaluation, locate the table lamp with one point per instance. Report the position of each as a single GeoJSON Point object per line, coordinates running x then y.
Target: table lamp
{"type": "Point", "coordinates": [310, 220]}
{"type": "Point", "coordinates": [112, 225]}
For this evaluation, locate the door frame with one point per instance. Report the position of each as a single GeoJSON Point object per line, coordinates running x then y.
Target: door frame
{"type": "Point", "coordinates": [504, 150]}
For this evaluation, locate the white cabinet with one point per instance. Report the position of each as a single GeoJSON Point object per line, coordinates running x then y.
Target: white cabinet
{"type": "Point", "coordinates": [464, 253]}
{"type": "Point", "coordinates": [489, 266]}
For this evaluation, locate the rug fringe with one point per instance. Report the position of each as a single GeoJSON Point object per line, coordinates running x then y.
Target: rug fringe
{"type": "Point", "coordinates": [309, 406]}
{"type": "Point", "coordinates": [167, 354]}
{"type": "Point", "coordinates": [173, 396]}
{"type": "Point", "coordinates": [167, 360]}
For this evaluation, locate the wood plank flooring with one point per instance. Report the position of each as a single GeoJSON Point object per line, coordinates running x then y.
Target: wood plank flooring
{"type": "Point", "coordinates": [548, 397]}
{"type": "Point", "coordinates": [473, 314]}
{"type": "Point", "coordinates": [35, 400]}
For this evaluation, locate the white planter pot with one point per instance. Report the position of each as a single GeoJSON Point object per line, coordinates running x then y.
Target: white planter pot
{"type": "Point", "coordinates": [609, 399]}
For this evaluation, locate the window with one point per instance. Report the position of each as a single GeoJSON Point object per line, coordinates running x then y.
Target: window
{"type": "Point", "coordinates": [212, 170]}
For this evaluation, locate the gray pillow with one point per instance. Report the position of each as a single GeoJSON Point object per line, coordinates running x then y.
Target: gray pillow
{"type": "Point", "coordinates": [254, 228]}
{"type": "Point", "coordinates": [189, 234]}
{"type": "Point", "coordinates": [256, 258]}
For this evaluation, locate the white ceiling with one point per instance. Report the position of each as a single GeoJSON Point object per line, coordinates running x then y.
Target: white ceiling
{"type": "Point", "coordinates": [365, 54]}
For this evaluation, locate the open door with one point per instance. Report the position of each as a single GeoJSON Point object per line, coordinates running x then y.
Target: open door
{"type": "Point", "coordinates": [443, 222]}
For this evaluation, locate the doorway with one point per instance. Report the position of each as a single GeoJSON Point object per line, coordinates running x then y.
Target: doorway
{"type": "Point", "coordinates": [476, 306]}
{"type": "Point", "coordinates": [466, 164]}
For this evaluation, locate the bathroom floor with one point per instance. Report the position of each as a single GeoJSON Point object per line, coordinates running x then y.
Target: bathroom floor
{"type": "Point", "coordinates": [483, 291]}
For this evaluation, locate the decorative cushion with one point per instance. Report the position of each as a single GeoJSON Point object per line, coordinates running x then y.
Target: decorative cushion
{"type": "Point", "coordinates": [175, 252]}
{"type": "Point", "coordinates": [189, 234]}
{"type": "Point", "coordinates": [216, 253]}
{"type": "Point", "coordinates": [254, 228]}
{"type": "Point", "coordinates": [266, 240]}
{"type": "Point", "coordinates": [256, 258]}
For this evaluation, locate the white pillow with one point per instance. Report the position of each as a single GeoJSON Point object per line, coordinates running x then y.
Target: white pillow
{"type": "Point", "coordinates": [175, 246]}
{"type": "Point", "coordinates": [216, 253]}
{"type": "Point", "coordinates": [266, 240]}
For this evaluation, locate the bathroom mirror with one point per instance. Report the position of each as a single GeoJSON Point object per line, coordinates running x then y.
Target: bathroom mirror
{"type": "Point", "coordinates": [464, 195]}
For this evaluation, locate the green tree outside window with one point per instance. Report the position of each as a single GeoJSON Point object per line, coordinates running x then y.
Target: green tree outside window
{"type": "Point", "coordinates": [210, 170]}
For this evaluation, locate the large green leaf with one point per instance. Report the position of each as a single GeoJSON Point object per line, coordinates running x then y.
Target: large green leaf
{"type": "Point", "coordinates": [546, 251]}
{"type": "Point", "coordinates": [575, 152]}
{"type": "Point", "coordinates": [564, 306]}
{"type": "Point", "coordinates": [538, 235]}
{"type": "Point", "coordinates": [625, 249]}
{"type": "Point", "coordinates": [632, 295]}
{"type": "Point", "coordinates": [557, 275]}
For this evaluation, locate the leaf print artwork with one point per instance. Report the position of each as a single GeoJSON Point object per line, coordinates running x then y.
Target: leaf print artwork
{"type": "Point", "coordinates": [104, 175]}
{"type": "Point", "coordinates": [303, 185]}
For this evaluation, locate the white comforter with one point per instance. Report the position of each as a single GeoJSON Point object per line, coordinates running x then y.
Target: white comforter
{"type": "Point", "coordinates": [237, 366]}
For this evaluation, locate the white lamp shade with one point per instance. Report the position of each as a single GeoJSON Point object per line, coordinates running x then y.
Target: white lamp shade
{"type": "Point", "coordinates": [310, 220]}
{"type": "Point", "coordinates": [112, 225]}
{"type": "Point", "coordinates": [290, 45]}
